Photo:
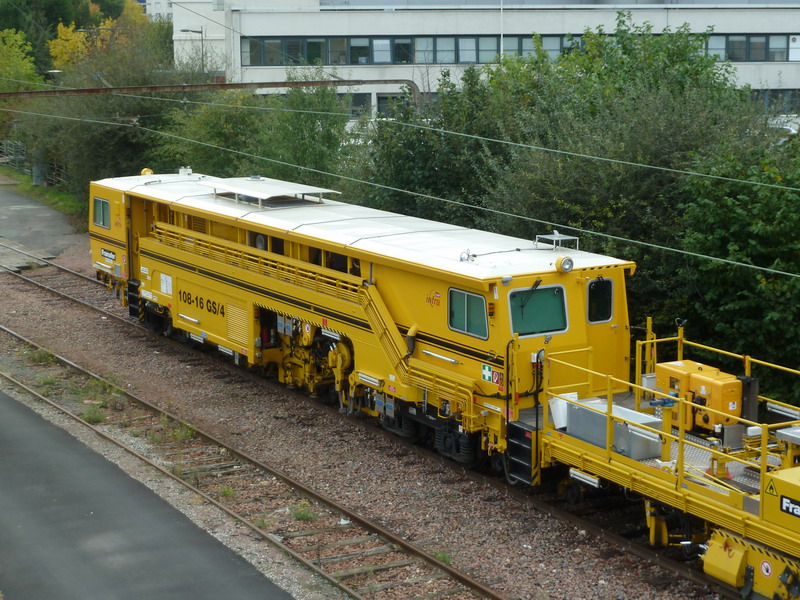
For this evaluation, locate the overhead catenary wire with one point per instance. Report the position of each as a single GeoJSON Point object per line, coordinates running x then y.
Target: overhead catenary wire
{"type": "Point", "coordinates": [394, 122]}
{"type": "Point", "coordinates": [417, 194]}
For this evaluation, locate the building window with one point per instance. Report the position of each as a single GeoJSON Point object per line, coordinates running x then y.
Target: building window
{"type": "Point", "coordinates": [778, 47]}
{"type": "Point", "coordinates": [487, 49]}
{"type": "Point", "coordinates": [423, 50]}
{"type": "Point", "coordinates": [467, 50]}
{"type": "Point", "coordinates": [737, 48]}
{"type": "Point", "coordinates": [403, 51]}
{"type": "Point", "coordinates": [716, 46]}
{"type": "Point", "coordinates": [385, 103]}
{"type": "Point", "coordinates": [445, 50]}
{"type": "Point", "coordinates": [294, 51]}
{"type": "Point", "coordinates": [758, 48]}
{"type": "Point", "coordinates": [510, 45]}
{"type": "Point", "coordinates": [601, 300]}
{"type": "Point", "coordinates": [251, 52]}
{"type": "Point", "coordinates": [337, 51]}
{"type": "Point", "coordinates": [359, 51]}
{"type": "Point", "coordinates": [468, 313]}
{"type": "Point", "coordinates": [381, 51]}
{"type": "Point", "coordinates": [360, 103]}
{"type": "Point", "coordinates": [527, 46]}
{"type": "Point", "coordinates": [552, 45]}
{"type": "Point", "coordinates": [102, 213]}
{"type": "Point", "coordinates": [315, 51]}
{"type": "Point", "coordinates": [538, 310]}
{"type": "Point", "coordinates": [272, 52]}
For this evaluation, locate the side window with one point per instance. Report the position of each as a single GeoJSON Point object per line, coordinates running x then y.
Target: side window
{"type": "Point", "coordinates": [468, 313]}
{"type": "Point", "coordinates": [257, 240]}
{"type": "Point", "coordinates": [102, 213]}
{"type": "Point", "coordinates": [538, 310]}
{"type": "Point", "coordinates": [335, 261]}
{"type": "Point", "coordinates": [601, 300]}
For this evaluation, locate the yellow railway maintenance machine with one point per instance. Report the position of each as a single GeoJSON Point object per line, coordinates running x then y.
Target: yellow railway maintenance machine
{"type": "Point", "coordinates": [491, 346]}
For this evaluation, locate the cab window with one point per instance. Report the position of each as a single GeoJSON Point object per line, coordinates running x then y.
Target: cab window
{"type": "Point", "coordinates": [468, 313]}
{"type": "Point", "coordinates": [102, 213]}
{"type": "Point", "coordinates": [601, 300]}
{"type": "Point", "coordinates": [538, 310]}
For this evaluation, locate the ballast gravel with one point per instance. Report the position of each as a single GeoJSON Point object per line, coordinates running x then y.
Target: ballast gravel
{"type": "Point", "coordinates": [520, 552]}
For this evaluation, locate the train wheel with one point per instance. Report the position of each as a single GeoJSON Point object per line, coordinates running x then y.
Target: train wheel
{"type": "Point", "coordinates": [573, 492]}
{"type": "Point", "coordinates": [401, 426]}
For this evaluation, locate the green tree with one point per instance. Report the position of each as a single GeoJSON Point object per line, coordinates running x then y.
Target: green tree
{"type": "Point", "coordinates": [305, 127]}
{"type": "Point", "coordinates": [17, 71]}
{"type": "Point", "coordinates": [92, 136]}
{"type": "Point", "coordinates": [745, 310]}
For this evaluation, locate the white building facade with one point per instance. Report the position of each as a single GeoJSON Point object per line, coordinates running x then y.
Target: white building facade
{"type": "Point", "coordinates": [414, 40]}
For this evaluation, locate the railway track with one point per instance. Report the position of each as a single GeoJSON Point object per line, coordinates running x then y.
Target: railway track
{"type": "Point", "coordinates": [352, 552]}
{"type": "Point", "coordinates": [218, 474]}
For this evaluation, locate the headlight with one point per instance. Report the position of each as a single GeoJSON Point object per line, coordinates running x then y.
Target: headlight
{"type": "Point", "coordinates": [564, 264]}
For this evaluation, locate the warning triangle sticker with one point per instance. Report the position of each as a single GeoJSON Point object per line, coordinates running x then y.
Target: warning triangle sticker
{"type": "Point", "coordinates": [770, 489]}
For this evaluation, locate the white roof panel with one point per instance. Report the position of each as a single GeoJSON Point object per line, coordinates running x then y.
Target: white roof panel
{"type": "Point", "coordinates": [459, 250]}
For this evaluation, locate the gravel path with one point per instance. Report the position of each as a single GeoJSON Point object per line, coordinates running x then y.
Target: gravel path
{"type": "Point", "coordinates": [523, 553]}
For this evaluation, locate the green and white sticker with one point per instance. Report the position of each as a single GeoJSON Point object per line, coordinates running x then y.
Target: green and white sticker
{"type": "Point", "coordinates": [486, 372]}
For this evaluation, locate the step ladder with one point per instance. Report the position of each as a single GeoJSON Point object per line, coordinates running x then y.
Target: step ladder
{"type": "Point", "coordinates": [519, 452]}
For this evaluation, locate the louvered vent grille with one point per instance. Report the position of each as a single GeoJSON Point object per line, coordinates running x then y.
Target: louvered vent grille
{"type": "Point", "coordinates": [237, 324]}
{"type": "Point", "coordinates": [199, 224]}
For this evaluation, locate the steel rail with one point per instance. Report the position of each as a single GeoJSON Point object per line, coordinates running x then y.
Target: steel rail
{"type": "Point", "coordinates": [462, 578]}
{"type": "Point", "coordinates": [49, 263]}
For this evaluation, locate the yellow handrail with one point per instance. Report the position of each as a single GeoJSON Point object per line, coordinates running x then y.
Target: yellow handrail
{"type": "Point", "coordinates": [339, 285]}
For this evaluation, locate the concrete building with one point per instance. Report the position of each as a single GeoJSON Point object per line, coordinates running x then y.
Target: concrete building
{"type": "Point", "coordinates": [256, 40]}
{"type": "Point", "coordinates": [157, 8]}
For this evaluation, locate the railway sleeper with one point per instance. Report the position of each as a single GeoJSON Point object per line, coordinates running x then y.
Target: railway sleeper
{"type": "Point", "coordinates": [377, 551]}
{"type": "Point", "coordinates": [195, 460]}
{"type": "Point", "coordinates": [390, 585]}
{"type": "Point", "coordinates": [354, 541]}
{"type": "Point", "coordinates": [211, 468]}
{"type": "Point", "coordinates": [370, 569]}
{"type": "Point", "coordinates": [316, 531]}
{"type": "Point", "coordinates": [212, 473]}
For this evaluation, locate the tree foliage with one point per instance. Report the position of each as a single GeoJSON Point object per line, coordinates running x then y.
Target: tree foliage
{"type": "Point", "coordinates": [39, 19]}
{"type": "Point", "coordinates": [268, 134]}
{"type": "Point", "coordinates": [99, 135]}
{"type": "Point", "coordinates": [17, 71]}
{"type": "Point", "coordinates": [745, 310]}
{"type": "Point", "coordinates": [583, 124]}
{"type": "Point", "coordinates": [73, 45]}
